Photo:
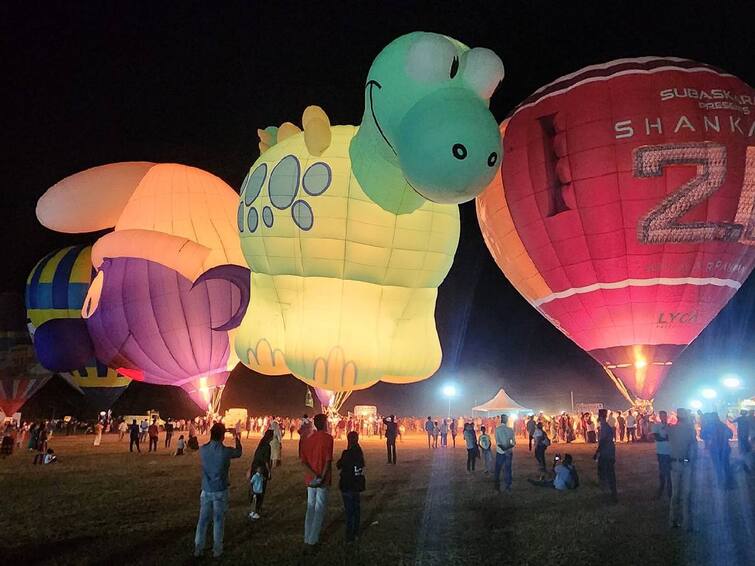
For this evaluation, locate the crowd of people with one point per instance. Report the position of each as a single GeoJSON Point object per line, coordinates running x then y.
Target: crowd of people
{"type": "Point", "coordinates": [491, 440]}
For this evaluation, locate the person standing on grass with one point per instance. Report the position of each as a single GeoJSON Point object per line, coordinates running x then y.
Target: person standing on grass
{"type": "Point", "coordinates": [717, 436]}
{"type": "Point", "coordinates": [470, 439]}
{"type": "Point", "coordinates": [352, 483]}
{"type": "Point", "coordinates": [122, 429]}
{"type": "Point", "coordinates": [98, 428]}
{"type": "Point", "coordinates": [391, 432]}
{"type": "Point", "coordinates": [485, 447]}
{"type": "Point", "coordinates": [541, 441]}
{"type": "Point", "coordinates": [213, 499]}
{"type": "Point", "coordinates": [683, 449]}
{"type": "Point", "coordinates": [452, 427]}
{"type": "Point", "coordinates": [631, 427]}
{"type": "Point", "coordinates": [317, 458]}
{"type": "Point", "coordinates": [143, 429]}
{"type": "Point", "coordinates": [443, 433]}
{"type": "Point", "coordinates": [305, 430]}
{"type": "Point", "coordinates": [505, 442]}
{"type": "Point", "coordinates": [663, 453]}
{"type": "Point", "coordinates": [262, 463]}
{"type": "Point", "coordinates": [276, 443]}
{"type": "Point", "coordinates": [622, 423]}
{"type": "Point", "coordinates": [153, 431]}
{"type": "Point", "coordinates": [133, 435]}
{"type": "Point", "coordinates": [743, 422]}
{"type": "Point", "coordinates": [169, 426]}
{"type": "Point", "coordinates": [531, 426]}
{"type": "Point", "coordinates": [606, 455]}
{"type": "Point", "coordinates": [429, 429]}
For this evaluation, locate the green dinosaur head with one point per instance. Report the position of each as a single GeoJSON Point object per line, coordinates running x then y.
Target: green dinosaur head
{"type": "Point", "coordinates": [426, 105]}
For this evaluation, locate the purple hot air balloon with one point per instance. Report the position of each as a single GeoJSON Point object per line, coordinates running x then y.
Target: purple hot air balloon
{"type": "Point", "coordinates": [153, 324]}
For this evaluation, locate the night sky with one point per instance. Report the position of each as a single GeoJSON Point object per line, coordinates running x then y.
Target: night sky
{"type": "Point", "coordinates": [95, 83]}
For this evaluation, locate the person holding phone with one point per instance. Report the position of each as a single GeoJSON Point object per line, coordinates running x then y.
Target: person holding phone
{"type": "Point", "coordinates": [216, 461]}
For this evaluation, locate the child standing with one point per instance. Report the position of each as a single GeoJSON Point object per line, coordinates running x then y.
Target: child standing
{"type": "Point", "coordinates": [257, 486]}
{"type": "Point", "coordinates": [485, 446]}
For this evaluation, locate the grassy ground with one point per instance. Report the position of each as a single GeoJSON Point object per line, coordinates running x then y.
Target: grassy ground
{"type": "Point", "coordinates": [106, 506]}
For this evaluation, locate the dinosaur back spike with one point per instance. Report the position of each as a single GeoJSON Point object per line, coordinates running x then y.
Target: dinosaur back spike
{"type": "Point", "coordinates": [316, 129]}
{"type": "Point", "coordinates": [286, 130]}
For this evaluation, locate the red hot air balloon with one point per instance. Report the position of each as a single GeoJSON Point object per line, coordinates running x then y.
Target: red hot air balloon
{"type": "Point", "coordinates": [624, 208]}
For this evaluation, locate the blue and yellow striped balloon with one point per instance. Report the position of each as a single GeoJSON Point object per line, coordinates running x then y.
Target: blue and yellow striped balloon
{"type": "Point", "coordinates": [56, 288]}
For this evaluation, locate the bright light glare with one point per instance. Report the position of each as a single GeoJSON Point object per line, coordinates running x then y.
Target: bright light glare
{"type": "Point", "coordinates": [709, 393]}
{"type": "Point", "coordinates": [695, 404]}
{"type": "Point", "coordinates": [640, 363]}
{"type": "Point", "coordinates": [731, 381]}
{"type": "Point", "coordinates": [449, 391]}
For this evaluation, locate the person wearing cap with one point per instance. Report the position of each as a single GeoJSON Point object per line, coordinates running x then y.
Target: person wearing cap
{"type": "Point", "coordinates": [683, 448]}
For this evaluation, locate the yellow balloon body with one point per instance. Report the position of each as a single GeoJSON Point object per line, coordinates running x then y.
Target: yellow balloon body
{"type": "Point", "coordinates": [343, 291]}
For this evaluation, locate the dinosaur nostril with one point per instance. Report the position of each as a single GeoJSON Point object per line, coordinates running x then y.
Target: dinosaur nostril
{"type": "Point", "coordinates": [492, 158]}
{"type": "Point", "coordinates": [459, 151]}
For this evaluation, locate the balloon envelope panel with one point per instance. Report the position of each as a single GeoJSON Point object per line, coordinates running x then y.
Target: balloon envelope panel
{"type": "Point", "coordinates": [624, 209]}
{"type": "Point", "coordinates": [150, 319]}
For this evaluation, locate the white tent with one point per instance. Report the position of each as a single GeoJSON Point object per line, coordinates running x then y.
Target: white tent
{"type": "Point", "coordinates": [501, 403]}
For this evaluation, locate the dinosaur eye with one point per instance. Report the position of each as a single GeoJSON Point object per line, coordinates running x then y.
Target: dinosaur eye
{"type": "Point", "coordinates": [92, 300]}
{"type": "Point", "coordinates": [483, 71]}
{"type": "Point", "coordinates": [430, 57]}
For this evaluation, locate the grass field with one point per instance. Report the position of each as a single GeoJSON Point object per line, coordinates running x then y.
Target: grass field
{"type": "Point", "coordinates": [102, 505]}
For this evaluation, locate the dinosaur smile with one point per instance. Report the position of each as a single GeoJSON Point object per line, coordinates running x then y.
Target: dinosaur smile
{"type": "Point", "coordinates": [371, 84]}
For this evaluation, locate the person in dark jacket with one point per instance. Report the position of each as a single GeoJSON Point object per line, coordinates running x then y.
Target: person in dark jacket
{"type": "Point", "coordinates": [133, 436]}
{"type": "Point", "coordinates": [262, 461]}
{"type": "Point", "coordinates": [606, 455]}
{"type": "Point", "coordinates": [391, 431]}
{"type": "Point", "coordinates": [352, 483]}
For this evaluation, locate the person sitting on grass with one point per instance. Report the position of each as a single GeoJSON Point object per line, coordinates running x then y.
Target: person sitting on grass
{"type": "Point", "coordinates": [47, 457]}
{"type": "Point", "coordinates": [180, 446]}
{"type": "Point", "coordinates": [565, 475]}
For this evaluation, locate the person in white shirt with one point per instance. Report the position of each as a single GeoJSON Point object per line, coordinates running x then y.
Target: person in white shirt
{"type": "Point", "coordinates": [631, 427]}
{"type": "Point", "coordinates": [505, 442]}
{"type": "Point", "coordinates": [663, 453]}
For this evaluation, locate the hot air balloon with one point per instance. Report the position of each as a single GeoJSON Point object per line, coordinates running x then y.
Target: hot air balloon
{"type": "Point", "coordinates": [349, 231]}
{"type": "Point", "coordinates": [21, 376]}
{"type": "Point", "coordinates": [624, 208]}
{"type": "Point", "coordinates": [56, 288]}
{"type": "Point", "coordinates": [170, 284]}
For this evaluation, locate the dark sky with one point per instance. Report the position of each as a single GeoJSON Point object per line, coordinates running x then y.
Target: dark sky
{"type": "Point", "coordinates": [92, 83]}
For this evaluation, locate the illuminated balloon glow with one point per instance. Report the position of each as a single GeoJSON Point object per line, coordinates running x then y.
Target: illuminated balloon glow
{"type": "Point", "coordinates": [349, 230]}
{"type": "Point", "coordinates": [624, 210]}
{"type": "Point", "coordinates": [170, 284]}
{"type": "Point", "coordinates": [55, 289]}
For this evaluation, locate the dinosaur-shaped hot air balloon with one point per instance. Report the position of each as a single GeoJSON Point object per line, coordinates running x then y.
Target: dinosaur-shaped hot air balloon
{"type": "Point", "coordinates": [348, 231]}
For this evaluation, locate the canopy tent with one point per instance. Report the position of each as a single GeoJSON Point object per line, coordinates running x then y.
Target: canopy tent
{"type": "Point", "coordinates": [500, 403]}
